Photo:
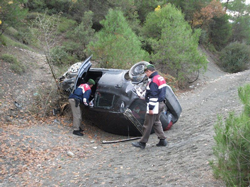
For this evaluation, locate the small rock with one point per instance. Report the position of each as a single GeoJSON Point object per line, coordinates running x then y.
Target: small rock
{"type": "Point", "coordinates": [8, 119]}
{"type": "Point", "coordinates": [69, 153]}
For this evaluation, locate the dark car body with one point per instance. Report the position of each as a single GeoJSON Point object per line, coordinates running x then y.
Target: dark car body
{"type": "Point", "coordinates": [118, 108]}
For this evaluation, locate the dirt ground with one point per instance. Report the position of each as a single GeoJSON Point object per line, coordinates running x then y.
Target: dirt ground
{"type": "Point", "coordinates": [44, 152]}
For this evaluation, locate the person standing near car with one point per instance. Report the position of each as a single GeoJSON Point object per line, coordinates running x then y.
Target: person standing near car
{"type": "Point", "coordinates": [155, 96]}
{"type": "Point", "coordinates": [80, 95]}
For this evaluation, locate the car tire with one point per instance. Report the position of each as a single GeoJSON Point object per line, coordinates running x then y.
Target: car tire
{"type": "Point", "coordinates": [136, 72]}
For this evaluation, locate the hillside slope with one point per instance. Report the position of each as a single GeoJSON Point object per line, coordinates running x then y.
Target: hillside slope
{"type": "Point", "coordinates": [36, 152]}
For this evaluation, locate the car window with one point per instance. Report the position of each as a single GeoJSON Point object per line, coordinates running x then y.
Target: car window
{"type": "Point", "coordinates": [138, 108]}
{"type": "Point", "coordinates": [104, 100]}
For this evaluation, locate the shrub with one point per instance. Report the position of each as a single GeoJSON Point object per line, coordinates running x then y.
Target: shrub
{"type": "Point", "coordinates": [18, 67]}
{"type": "Point", "coordinates": [232, 145]}
{"type": "Point", "coordinates": [59, 55]}
{"type": "Point", "coordinates": [174, 43]}
{"type": "Point", "coordinates": [12, 13]}
{"type": "Point", "coordinates": [8, 58]}
{"type": "Point", "coordinates": [235, 57]}
{"type": "Point", "coordinates": [7, 41]}
{"type": "Point", "coordinates": [116, 44]}
{"type": "Point", "coordinates": [66, 24]}
{"type": "Point", "coordinates": [80, 37]}
{"type": "Point", "coordinates": [204, 37]}
{"type": "Point", "coordinates": [15, 66]}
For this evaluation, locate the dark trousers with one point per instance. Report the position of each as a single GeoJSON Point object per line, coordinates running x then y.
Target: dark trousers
{"type": "Point", "coordinates": [153, 121]}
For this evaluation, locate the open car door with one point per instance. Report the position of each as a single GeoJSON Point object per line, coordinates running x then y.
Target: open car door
{"type": "Point", "coordinates": [84, 68]}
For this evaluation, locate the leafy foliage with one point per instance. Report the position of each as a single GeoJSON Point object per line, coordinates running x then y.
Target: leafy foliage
{"type": "Point", "coordinates": [59, 55]}
{"type": "Point", "coordinates": [190, 7]}
{"type": "Point", "coordinates": [52, 6]}
{"type": "Point", "coordinates": [241, 29]}
{"type": "Point", "coordinates": [145, 7]}
{"type": "Point", "coordinates": [204, 16]}
{"type": "Point", "coordinates": [240, 20]}
{"type": "Point", "coordinates": [116, 45]}
{"type": "Point", "coordinates": [170, 40]}
{"type": "Point", "coordinates": [232, 146]}
{"type": "Point", "coordinates": [66, 24]}
{"type": "Point", "coordinates": [174, 44]}
{"type": "Point", "coordinates": [130, 9]}
{"type": "Point", "coordinates": [81, 36]}
{"type": "Point", "coordinates": [235, 57]}
{"type": "Point", "coordinates": [8, 58]}
{"type": "Point", "coordinates": [15, 66]}
{"type": "Point", "coordinates": [12, 14]}
{"type": "Point", "coordinates": [220, 31]}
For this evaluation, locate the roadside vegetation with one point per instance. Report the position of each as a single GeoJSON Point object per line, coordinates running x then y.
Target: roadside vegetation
{"type": "Point", "coordinates": [232, 137]}
{"type": "Point", "coordinates": [15, 66]}
{"type": "Point", "coordinates": [121, 33]}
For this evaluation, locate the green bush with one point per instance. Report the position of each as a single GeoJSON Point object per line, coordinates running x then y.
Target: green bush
{"type": "Point", "coordinates": [10, 31]}
{"type": "Point", "coordinates": [66, 24]}
{"type": "Point", "coordinates": [7, 41]}
{"type": "Point", "coordinates": [232, 145]}
{"type": "Point", "coordinates": [174, 44]}
{"type": "Point", "coordinates": [15, 66]}
{"type": "Point", "coordinates": [203, 37]}
{"type": "Point", "coordinates": [18, 68]}
{"type": "Point", "coordinates": [12, 13]}
{"type": "Point", "coordinates": [116, 45]}
{"type": "Point", "coordinates": [8, 58]}
{"type": "Point", "coordinates": [221, 31]}
{"type": "Point", "coordinates": [235, 57]}
{"type": "Point", "coordinates": [59, 55]}
{"type": "Point", "coordinates": [80, 36]}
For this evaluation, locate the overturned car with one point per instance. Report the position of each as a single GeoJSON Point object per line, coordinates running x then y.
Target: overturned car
{"type": "Point", "coordinates": [118, 108]}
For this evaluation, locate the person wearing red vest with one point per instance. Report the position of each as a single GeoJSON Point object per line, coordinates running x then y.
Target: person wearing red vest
{"type": "Point", "coordinates": [80, 95]}
{"type": "Point", "coordinates": [155, 96]}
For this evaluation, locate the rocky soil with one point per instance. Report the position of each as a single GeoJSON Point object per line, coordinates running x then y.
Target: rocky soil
{"type": "Point", "coordinates": [44, 152]}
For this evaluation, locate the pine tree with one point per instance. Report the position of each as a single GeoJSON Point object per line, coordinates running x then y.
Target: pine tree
{"type": "Point", "coordinates": [232, 145]}
{"type": "Point", "coordinates": [116, 44]}
{"type": "Point", "coordinates": [174, 43]}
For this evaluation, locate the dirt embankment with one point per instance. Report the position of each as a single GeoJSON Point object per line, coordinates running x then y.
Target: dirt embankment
{"type": "Point", "coordinates": [39, 153]}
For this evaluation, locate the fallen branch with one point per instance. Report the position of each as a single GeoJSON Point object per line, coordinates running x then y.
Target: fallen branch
{"type": "Point", "coordinates": [118, 141]}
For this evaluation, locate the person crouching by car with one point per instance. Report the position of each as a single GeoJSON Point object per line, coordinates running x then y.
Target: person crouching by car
{"type": "Point", "coordinates": [155, 96]}
{"type": "Point", "coordinates": [80, 95]}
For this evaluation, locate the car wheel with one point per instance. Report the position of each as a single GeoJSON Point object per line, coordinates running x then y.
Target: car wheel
{"type": "Point", "coordinates": [136, 72]}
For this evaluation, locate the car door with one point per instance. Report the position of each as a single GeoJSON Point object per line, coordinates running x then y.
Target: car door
{"type": "Point", "coordinates": [84, 68]}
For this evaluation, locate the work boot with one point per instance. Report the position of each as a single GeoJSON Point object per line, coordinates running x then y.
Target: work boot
{"type": "Point", "coordinates": [78, 132]}
{"type": "Point", "coordinates": [139, 145]}
{"type": "Point", "coordinates": [162, 142]}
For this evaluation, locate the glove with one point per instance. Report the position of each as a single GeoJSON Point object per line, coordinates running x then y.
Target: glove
{"type": "Point", "coordinates": [91, 104]}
